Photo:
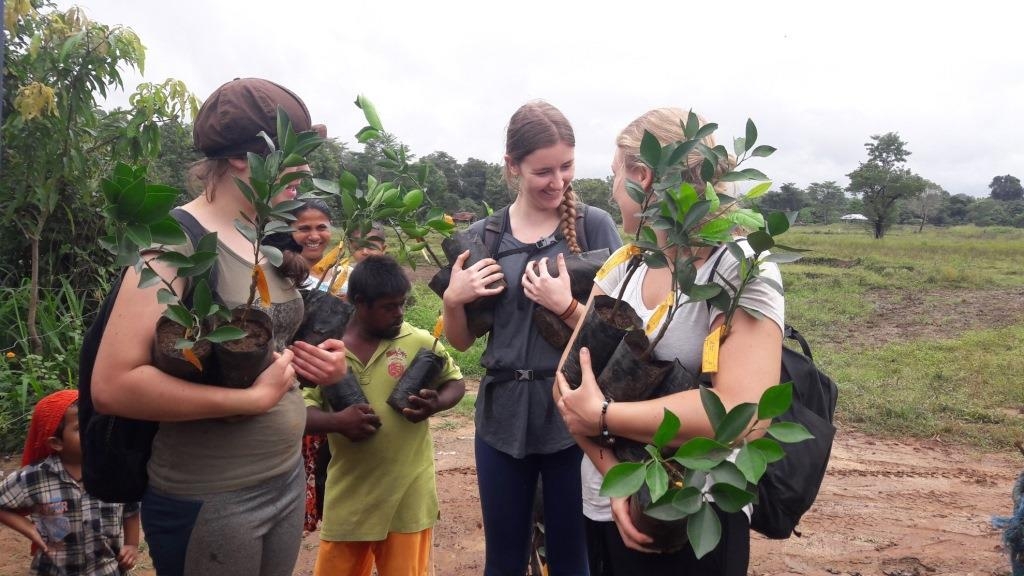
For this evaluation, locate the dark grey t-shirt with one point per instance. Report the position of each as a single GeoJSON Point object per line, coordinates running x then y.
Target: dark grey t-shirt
{"type": "Point", "coordinates": [519, 417]}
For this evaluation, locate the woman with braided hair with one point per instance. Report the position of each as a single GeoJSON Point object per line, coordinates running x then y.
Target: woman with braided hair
{"type": "Point", "coordinates": [519, 436]}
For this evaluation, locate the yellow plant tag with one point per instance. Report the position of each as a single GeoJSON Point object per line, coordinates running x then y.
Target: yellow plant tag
{"type": "Point", "coordinates": [439, 326]}
{"type": "Point", "coordinates": [659, 313]}
{"type": "Point", "coordinates": [328, 259]}
{"type": "Point", "coordinates": [192, 358]}
{"type": "Point", "coordinates": [709, 360]}
{"type": "Point", "coordinates": [621, 255]}
{"type": "Point", "coordinates": [261, 285]}
{"type": "Point", "coordinates": [340, 279]}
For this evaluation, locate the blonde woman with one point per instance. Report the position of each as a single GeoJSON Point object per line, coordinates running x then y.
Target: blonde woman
{"type": "Point", "coordinates": [748, 364]}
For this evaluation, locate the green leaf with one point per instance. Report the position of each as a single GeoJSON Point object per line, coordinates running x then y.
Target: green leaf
{"type": "Point", "coordinates": [174, 259]}
{"type": "Point", "coordinates": [667, 430]}
{"type": "Point", "coordinates": [758, 190]}
{"type": "Point", "coordinates": [728, 473]}
{"type": "Point", "coordinates": [165, 297]}
{"type": "Point", "coordinates": [730, 498]}
{"type": "Point", "coordinates": [702, 292]}
{"type": "Point", "coordinates": [201, 262]}
{"type": "Point", "coordinates": [179, 315]}
{"type": "Point", "coordinates": [777, 223]}
{"type": "Point", "coordinates": [139, 235]}
{"type": "Point", "coordinates": [650, 150]}
{"type": "Point", "coordinates": [636, 192]}
{"type": "Point", "coordinates": [272, 254]}
{"type": "Point", "coordinates": [782, 258]}
{"type": "Point", "coordinates": [157, 204]}
{"type": "Point", "coordinates": [760, 241]}
{"type": "Point", "coordinates": [768, 448]}
{"type": "Point", "coordinates": [751, 137]}
{"type": "Point", "coordinates": [208, 243]}
{"type": "Point", "coordinates": [739, 146]}
{"type": "Point", "coordinates": [225, 333]}
{"type": "Point", "coordinates": [412, 200]}
{"type": "Point", "coordinates": [701, 453]}
{"type": "Point", "coordinates": [370, 112]}
{"type": "Point", "coordinates": [789, 432]}
{"type": "Point", "coordinates": [623, 479]}
{"type": "Point", "coordinates": [775, 401]}
{"type": "Point", "coordinates": [657, 480]}
{"type": "Point", "coordinates": [680, 151]}
{"type": "Point", "coordinates": [717, 230]}
{"type": "Point", "coordinates": [148, 278]}
{"type": "Point", "coordinates": [707, 171]}
{"type": "Point", "coordinates": [712, 406]}
{"type": "Point", "coordinates": [751, 462]}
{"type": "Point", "coordinates": [704, 530]}
{"type": "Point", "coordinates": [367, 134]}
{"type": "Point", "coordinates": [327, 186]}
{"type": "Point", "coordinates": [706, 130]}
{"type": "Point", "coordinates": [736, 422]}
{"type": "Point", "coordinates": [695, 214]}
{"type": "Point", "coordinates": [691, 126]}
{"type": "Point", "coordinates": [675, 505]}
{"type": "Point", "coordinates": [746, 218]}
{"type": "Point", "coordinates": [202, 298]}
{"type": "Point", "coordinates": [763, 151]}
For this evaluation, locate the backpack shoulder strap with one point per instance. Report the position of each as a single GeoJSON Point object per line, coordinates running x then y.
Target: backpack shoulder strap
{"type": "Point", "coordinates": [195, 231]}
{"type": "Point", "coordinates": [494, 229]}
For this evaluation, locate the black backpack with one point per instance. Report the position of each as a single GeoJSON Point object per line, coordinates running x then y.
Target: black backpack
{"type": "Point", "coordinates": [115, 450]}
{"type": "Point", "coordinates": [789, 486]}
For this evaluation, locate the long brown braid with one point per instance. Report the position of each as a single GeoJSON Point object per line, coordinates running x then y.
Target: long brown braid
{"type": "Point", "coordinates": [567, 211]}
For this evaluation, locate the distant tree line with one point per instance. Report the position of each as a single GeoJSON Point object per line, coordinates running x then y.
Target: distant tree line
{"type": "Point", "coordinates": [452, 185]}
{"type": "Point", "coordinates": [886, 192]}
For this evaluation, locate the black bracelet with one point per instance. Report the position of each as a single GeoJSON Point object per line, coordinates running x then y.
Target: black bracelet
{"type": "Point", "coordinates": [606, 436]}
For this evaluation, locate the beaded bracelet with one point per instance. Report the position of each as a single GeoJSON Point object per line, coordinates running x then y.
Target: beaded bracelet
{"type": "Point", "coordinates": [569, 310]}
{"type": "Point", "coordinates": [606, 436]}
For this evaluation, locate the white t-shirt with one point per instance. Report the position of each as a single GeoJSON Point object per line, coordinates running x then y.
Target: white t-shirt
{"type": "Point", "coordinates": [684, 339]}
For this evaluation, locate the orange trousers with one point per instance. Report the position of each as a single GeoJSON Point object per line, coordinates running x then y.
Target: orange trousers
{"type": "Point", "coordinates": [396, 555]}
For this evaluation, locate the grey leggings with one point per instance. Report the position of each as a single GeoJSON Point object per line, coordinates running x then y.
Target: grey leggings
{"type": "Point", "coordinates": [247, 532]}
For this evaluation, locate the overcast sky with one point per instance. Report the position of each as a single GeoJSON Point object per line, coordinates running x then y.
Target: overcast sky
{"type": "Point", "coordinates": [818, 78]}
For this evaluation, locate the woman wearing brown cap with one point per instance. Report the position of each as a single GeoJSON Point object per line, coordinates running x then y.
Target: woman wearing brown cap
{"type": "Point", "coordinates": [225, 495]}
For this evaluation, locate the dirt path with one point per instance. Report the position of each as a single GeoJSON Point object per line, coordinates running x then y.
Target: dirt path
{"type": "Point", "coordinates": [894, 508]}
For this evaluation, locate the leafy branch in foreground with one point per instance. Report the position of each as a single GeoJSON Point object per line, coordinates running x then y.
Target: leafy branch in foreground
{"type": "Point", "coordinates": [684, 483]}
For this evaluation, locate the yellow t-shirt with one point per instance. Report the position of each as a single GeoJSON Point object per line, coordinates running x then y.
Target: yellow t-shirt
{"type": "Point", "coordinates": [386, 482]}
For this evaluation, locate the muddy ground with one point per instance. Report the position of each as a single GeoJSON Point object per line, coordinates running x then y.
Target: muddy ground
{"type": "Point", "coordinates": [894, 508]}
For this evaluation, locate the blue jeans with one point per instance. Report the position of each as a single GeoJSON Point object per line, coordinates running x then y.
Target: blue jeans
{"type": "Point", "coordinates": [507, 488]}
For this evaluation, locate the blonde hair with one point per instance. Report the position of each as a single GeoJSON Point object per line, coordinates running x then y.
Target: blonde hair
{"type": "Point", "coordinates": [666, 124]}
{"type": "Point", "coordinates": [533, 126]}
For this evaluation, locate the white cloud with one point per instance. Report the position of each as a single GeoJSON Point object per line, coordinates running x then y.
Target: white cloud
{"type": "Point", "coordinates": [819, 78]}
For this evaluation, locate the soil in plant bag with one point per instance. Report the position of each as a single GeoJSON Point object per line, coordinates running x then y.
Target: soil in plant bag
{"type": "Point", "coordinates": [345, 393]}
{"type": "Point", "coordinates": [325, 317]}
{"type": "Point", "coordinates": [422, 371]}
{"type": "Point", "coordinates": [581, 269]}
{"type": "Point", "coordinates": [632, 373]}
{"type": "Point", "coordinates": [601, 332]}
{"type": "Point", "coordinates": [480, 312]}
{"type": "Point", "coordinates": [667, 535]}
{"type": "Point", "coordinates": [241, 361]}
{"type": "Point", "coordinates": [171, 359]}
{"type": "Point", "coordinates": [677, 379]}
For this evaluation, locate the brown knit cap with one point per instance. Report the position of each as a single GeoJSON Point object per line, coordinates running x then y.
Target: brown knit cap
{"type": "Point", "coordinates": [229, 123]}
